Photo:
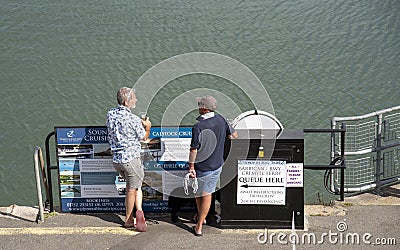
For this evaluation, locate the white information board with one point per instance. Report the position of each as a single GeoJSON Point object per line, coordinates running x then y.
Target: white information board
{"type": "Point", "coordinates": [261, 182]}
{"type": "Point", "coordinates": [294, 176]}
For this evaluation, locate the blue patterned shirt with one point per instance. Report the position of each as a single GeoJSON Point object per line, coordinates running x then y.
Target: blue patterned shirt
{"type": "Point", "coordinates": [125, 130]}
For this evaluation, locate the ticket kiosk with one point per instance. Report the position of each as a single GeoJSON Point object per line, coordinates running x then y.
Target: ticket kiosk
{"type": "Point", "coordinates": [263, 175]}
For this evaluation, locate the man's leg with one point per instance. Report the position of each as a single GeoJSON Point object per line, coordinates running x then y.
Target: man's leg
{"type": "Point", "coordinates": [139, 198]}
{"type": "Point", "coordinates": [140, 220]}
{"type": "Point", "coordinates": [203, 206]}
{"type": "Point", "coordinates": [130, 200]}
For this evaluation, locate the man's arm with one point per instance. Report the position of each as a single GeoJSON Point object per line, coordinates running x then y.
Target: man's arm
{"type": "Point", "coordinates": [192, 158]}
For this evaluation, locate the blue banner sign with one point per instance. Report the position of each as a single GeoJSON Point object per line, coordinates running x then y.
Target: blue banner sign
{"type": "Point", "coordinates": [81, 135]}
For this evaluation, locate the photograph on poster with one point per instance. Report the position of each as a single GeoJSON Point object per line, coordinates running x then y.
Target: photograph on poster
{"type": "Point", "coordinates": [69, 179]}
{"type": "Point", "coordinates": [77, 151]}
{"type": "Point", "coordinates": [102, 151]}
{"type": "Point", "coordinates": [68, 164]}
{"type": "Point", "coordinates": [150, 193]}
{"type": "Point", "coordinates": [70, 191]}
{"type": "Point", "coordinates": [120, 183]}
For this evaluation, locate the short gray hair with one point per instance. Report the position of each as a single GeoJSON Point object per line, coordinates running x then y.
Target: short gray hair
{"type": "Point", "coordinates": [124, 94]}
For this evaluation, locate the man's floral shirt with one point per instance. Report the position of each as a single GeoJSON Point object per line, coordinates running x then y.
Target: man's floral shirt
{"type": "Point", "coordinates": [125, 130]}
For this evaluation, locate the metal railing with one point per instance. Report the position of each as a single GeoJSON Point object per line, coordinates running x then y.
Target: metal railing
{"type": "Point", "coordinates": [38, 160]}
{"type": "Point", "coordinates": [339, 166]}
{"type": "Point", "coordinates": [372, 157]}
{"type": "Point", "coordinates": [337, 163]}
{"type": "Point", "coordinates": [49, 168]}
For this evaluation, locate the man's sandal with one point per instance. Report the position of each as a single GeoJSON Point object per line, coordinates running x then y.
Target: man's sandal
{"type": "Point", "coordinates": [141, 225]}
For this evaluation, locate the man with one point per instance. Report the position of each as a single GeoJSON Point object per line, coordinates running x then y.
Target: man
{"type": "Point", "coordinates": [206, 155]}
{"type": "Point", "coordinates": [125, 130]}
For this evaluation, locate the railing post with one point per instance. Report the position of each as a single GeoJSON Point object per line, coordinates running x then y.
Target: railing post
{"type": "Point", "coordinates": [48, 163]}
{"type": "Point", "coordinates": [342, 148]}
{"type": "Point", "coordinates": [378, 155]}
{"type": "Point", "coordinates": [333, 150]}
{"type": "Point", "coordinates": [36, 156]}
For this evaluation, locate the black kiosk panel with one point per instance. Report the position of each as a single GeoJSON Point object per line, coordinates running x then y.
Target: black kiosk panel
{"type": "Point", "coordinates": [245, 202]}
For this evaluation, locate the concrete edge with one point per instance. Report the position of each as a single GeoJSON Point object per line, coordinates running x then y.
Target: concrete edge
{"type": "Point", "coordinates": [67, 230]}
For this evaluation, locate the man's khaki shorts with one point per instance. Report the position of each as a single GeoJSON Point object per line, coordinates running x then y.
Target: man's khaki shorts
{"type": "Point", "coordinates": [132, 171]}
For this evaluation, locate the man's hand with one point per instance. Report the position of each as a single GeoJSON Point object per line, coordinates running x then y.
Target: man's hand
{"type": "Point", "coordinates": [192, 173]}
{"type": "Point", "coordinates": [147, 125]}
{"type": "Point", "coordinates": [234, 135]}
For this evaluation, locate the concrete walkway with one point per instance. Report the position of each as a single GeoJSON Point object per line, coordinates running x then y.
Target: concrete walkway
{"type": "Point", "coordinates": [367, 218]}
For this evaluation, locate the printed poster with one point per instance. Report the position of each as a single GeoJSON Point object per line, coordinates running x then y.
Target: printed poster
{"type": "Point", "coordinates": [88, 181]}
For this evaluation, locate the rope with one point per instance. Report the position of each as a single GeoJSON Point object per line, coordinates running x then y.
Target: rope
{"type": "Point", "coordinates": [195, 184]}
